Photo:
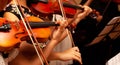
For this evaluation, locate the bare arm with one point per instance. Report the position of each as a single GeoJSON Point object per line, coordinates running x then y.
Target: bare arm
{"type": "Point", "coordinates": [88, 2]}
{"type": "Point", "coordinates": [69, 54]}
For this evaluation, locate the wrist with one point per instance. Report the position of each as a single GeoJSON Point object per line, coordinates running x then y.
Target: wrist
{"type": "Point", "coordinates": [53, 42]}
{"type": "Point", "coordinates": [73, 25]}
{"type": "Point", "coordinates": [54, 56]}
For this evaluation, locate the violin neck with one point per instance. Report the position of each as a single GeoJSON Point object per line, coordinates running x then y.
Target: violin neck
{"type": "Point", "coordinates": [42, 24]}
{"type": "Point", "coordinates": [36, 1]}
{"type": "Point", "coordinates": [7, 27]}
{"type": "Point", "coordinates": [73, 6]}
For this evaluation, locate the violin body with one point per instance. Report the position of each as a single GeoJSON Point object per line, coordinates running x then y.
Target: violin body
{"type": "Point", "coordinates": [3, 3]}
{"type": "Point", "coordinates": [18, 33]}
{"type": "Point", "coordinates": [53, 7]}
{"type": "Point", "coordinates": [116, 1]}
{"type": "Point", "coordinates": [9, 39]}
{"type": "Point", "coordinates": [42, 34]}
{"type": "Point", "coordinates": [42, 7]}
{"type": "Point", "coordinates": [39, 32]}
{"type": "Point", "coordinates": [2, 20]}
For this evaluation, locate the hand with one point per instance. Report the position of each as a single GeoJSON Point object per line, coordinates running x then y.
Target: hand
{"type": "Point", "coordinates": [58, 35]}
{"type": "Point", "coordinates": [71, 54]}
{"type": "Point", "coordinates": [82, 14]}
{"type": "Point", "coordinates": [59, 32]}
{"type": "Point", "coordinates": [98, 15]}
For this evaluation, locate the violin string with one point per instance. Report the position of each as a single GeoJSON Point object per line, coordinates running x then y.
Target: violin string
{"type": "Point", "coordinates": [29, 33]}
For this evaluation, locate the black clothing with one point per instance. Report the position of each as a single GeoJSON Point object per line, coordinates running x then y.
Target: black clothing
{"type": "Point", "coordinates": [86, 30]}
{"type": "Point", "coordinates": [13, 9]}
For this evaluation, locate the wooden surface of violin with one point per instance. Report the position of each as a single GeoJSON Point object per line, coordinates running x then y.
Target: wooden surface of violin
{"type": "Point", "coordinates": [53, 7]}
{"type": "Point", "coordinates": [9, 39]}
{"type": "Point", "coordinates": [17, 33]}
{"type": "Point", "coordinates": [116, 1]}
{"type": "Point", "coordinates": [3, 3]}
{"type": "Point", "coordinates": [2, 20]}
{"type": "Point", "coordinates": [39, 32]}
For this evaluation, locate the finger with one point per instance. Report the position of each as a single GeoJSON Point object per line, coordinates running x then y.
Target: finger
{"type": "Point", "coordinates": [76, 49]}
{"type": "Point", "coordinates": [77, 54]}
{"type": "Point", "coordinates": [77, 59]}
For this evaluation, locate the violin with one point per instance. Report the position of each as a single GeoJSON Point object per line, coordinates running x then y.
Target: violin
{"type": "Point", "coordinates": [115, 1]}
{"type": "Point", "coordinates": [2, 20]}
{"type": "Point", "coordinates": [13, 33]}
{"type": "Point", "coordinates": [3, 3]}
{"type": "Point", "coordinates": [19, 31]}
{"type": "Point", "coordinates": [53, 7]}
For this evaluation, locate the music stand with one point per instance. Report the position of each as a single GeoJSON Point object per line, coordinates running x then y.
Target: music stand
{"type": "Point", "coordinates": [114, 60]}
{"type": "Point", "coordinates": [111, 30]}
